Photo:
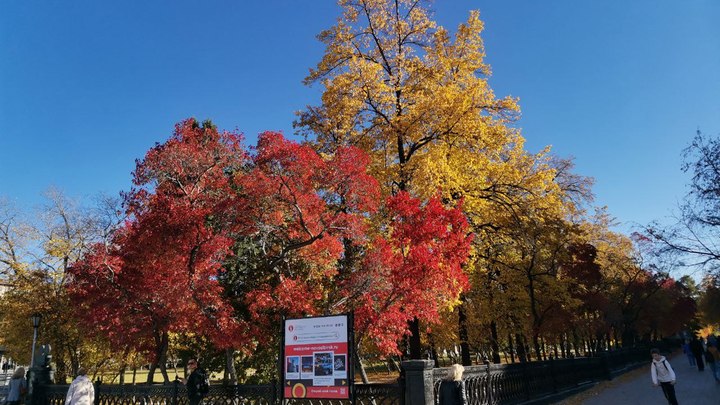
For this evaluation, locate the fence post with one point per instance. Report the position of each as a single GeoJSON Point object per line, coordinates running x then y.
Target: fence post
{"type": "Point", "coordinates": [401, 385]}
{"type": "Point", "coordinates": [418, 382]}
{"type": "Point", "coordinates": [488, 383]}
{"type": "Point", "coordinates": [526, 379]}
{"type": "Point", "coordinates": [35, 397]}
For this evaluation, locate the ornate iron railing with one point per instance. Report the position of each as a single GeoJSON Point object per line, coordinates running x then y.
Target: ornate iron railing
{"type": "Point", "coordinates": [176, 394]}
{"type": "Point", "coordinates": [485, 385]}
{"type": "Point", "coordinates": [518, 383]}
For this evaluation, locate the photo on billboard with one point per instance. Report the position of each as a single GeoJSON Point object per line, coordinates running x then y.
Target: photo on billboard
{"type": "Point", "coordinates": [340, 366]}
{"type": "Point", "coordinates": [292, 367]}
{"type": "Point", "coordinates": [306, 367]}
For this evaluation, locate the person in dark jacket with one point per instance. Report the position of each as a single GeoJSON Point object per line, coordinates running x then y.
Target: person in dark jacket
{"type": "Point", "coordinates": [698, 351]}
{"type": "Point", "coordinates": [194, 381]}
{"type": "Point", "coordinates": [452, 388]}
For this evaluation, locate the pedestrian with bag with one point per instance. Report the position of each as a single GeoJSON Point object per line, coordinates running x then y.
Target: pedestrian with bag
{"type": "Point", "coordinates": [662, 375]}
{"type": "Point", "coordinates": [81, 391]}
{"type": "Point", "coordinates": [17, 388]}
{"type": "Point", "coordinates": [452, 388]}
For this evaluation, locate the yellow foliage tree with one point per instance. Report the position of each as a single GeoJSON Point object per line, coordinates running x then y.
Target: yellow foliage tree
{"type": "Point", "coordinates": [418, 100]}
{"type": "Point", "coordinates": [35, 256]}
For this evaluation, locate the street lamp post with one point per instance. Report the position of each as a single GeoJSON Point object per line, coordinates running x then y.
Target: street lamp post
{"type": "Point", "coordinates": [36, 318]}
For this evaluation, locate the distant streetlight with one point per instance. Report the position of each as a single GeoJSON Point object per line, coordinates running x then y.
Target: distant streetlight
{"type": "Point", "coordinates": [36, 318]}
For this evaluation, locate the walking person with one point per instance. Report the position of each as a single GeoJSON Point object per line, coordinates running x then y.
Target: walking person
{"type": "Point", "coordinates": [712, 357]}
{"type": "Point", "coordinates": [696, 348]}
{"type": "Point", "coordinates": [81, 391]}
{"type": "Point", "coordinates": [452, 388]}
{"type": "Point", "coordinates": [662, 374]}
{"type": "Point", "coordinates": [197, 383]}
{"type": "Point", "coordinates": [17, 387]}
{"type": "Point", "coordinates": [689, 353]}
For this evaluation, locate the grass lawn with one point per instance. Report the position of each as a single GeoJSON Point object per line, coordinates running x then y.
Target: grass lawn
{"type": "Point", "coordinates": [141, 376]}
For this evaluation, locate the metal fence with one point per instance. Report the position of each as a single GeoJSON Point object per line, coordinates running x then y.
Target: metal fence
{"type": "Point", "coordinates": [176, 394]}
{"type": "Point", "coordinates": [520, 383]}
{"type": "Point", "coordinates": [490, 384]}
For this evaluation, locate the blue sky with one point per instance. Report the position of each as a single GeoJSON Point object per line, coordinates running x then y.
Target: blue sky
{"type": "Point", "coordinates": [86, 87]}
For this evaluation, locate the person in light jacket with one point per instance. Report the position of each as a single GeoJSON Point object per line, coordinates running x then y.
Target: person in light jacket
{"type": "Point", "coordinates": [452, 388]}
{"type": "Point", "coordinates": [17, 387]}
{"type": "Point", "coordinates": [81, 391]}
{"type": "Point", "coordinates": [662, 374]}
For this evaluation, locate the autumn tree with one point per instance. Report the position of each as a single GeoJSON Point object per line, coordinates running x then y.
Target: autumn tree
{"type": "Point", "coordinates": [589, 287]}
{"type": "Point", "coordinates": [36, 254]}
{"type": "Point", "coordinates": [308, 247]}
{"type": "Point", "coordinates": [296, 209]}
{"type": "Point", "coordinates": [158, 272]}
{"type": "Point", "coordinates": [399, 87]}
{"type": "Point", "coordinates": [222, 242]}
{"type": "Point", "coordinates": [693, 238]}
{"type": "Point", "coordinates": [673, 310]}
{"type": "Point", "coordinates": [709, 302]}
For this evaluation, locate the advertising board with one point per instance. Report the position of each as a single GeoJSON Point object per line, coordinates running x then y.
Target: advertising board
{"type": "Point", "coordinates": [316, 357]}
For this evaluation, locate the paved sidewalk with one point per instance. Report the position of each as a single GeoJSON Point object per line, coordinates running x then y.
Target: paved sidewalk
{"type": "Point", "coordinates": [693, 388]}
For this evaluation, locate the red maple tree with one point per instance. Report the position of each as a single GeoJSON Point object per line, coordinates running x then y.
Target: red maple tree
{"type": "Point", "coordinates": [158, 274]}
{"type": "Point", "coordinates": [169, 268]}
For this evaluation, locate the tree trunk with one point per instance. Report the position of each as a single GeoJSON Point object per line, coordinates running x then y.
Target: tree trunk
{"type": "Point", "coordinates": [522, 355]}
{"type": "Point", "coordinates": [628, 336]}
{"type": "Point", "coordinates": [163, 358]}
{"type": "Point", "coordinates": [123, 367]}
{"type": "Point", "coordinates": [433, 351]}
{"type": "Point", "coordinates": [536, 345]}
{"type": "Point", "coordinates": [361, 367]}
{"type": "Point", "coordinates": [161, 341]}
{"type": "Point", "coordinates": [535, 316]}
{"type": "Point", "coordinates": [230, 376]}
{"type": "Point", "coordinates": [615, 337]}
{"type": "Point", "coordinates": [494, 342]}
{"type": "Point", "coordinates": [61, 372]}
{"type": "Point", "coordinates": [463, 332]}
{"type": "Point", "coordinates": [415, 345]}
{"type": "Point", "coordinates": [576, 343]}
{"type": "Point", "coordinates": [512, 350]}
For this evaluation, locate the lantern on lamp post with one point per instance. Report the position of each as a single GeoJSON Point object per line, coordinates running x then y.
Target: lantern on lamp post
{"type": "Point", "coordinates": [36, 318]}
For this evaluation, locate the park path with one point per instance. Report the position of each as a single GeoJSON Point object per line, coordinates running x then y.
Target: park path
{"type": "Point", "coordinates": [4, 378]}
{"type": "Point", "coordinates": [693, 388]}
